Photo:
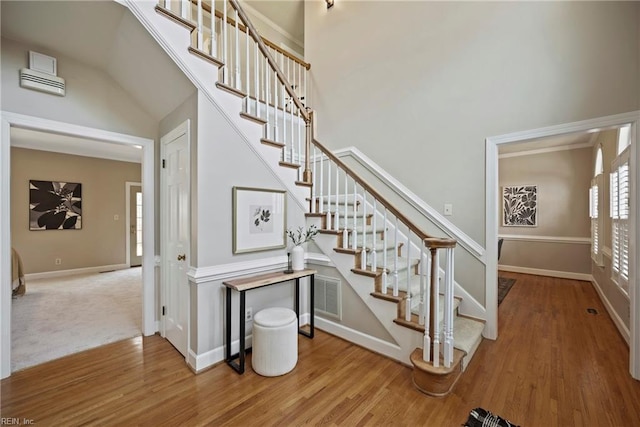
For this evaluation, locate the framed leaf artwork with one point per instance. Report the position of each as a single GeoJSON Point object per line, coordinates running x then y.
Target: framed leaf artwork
{"type": "Point", "coordinates": [259, 218]}
{"type": "Point", "coordinates": [520, 206]}
{"type": "Point", "coordinates": [55, 205]}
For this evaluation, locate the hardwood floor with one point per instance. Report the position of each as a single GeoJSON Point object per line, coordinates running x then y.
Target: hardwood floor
{"type": "Point", "coordinates": [553, 365]}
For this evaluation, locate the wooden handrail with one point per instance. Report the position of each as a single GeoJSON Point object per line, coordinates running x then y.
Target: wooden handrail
{"type": "Point", "coordinates": [243, 28]}
{"type": "Point", "coordinates": [439, 242]}
{"type": "Point", "coordinates": [406, 221]}
{"type": "Point", "coordinates": [274, 66]}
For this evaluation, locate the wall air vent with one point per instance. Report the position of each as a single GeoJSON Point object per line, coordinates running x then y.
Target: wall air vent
{"type": "Point", "coordinates": [328, 298]}
{"type": "Point", "coordinates": [43, 82]}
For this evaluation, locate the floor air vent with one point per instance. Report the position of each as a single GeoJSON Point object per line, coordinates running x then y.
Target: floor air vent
{"type": "Point", "coordinates": [327, 296]}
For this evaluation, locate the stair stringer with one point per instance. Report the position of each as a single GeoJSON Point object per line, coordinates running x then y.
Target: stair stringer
{"type": "Point", "coordinates": [406, 339]}
{"type": "Point", "coordinates": [175, 40]}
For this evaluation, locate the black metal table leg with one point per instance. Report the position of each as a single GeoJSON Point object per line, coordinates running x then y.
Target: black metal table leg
{"type": "Point", "coordinates": [311, 302]}
{"type": "Point", "coordinates": [300, 330]}
{"type": "Point", "coordinates": [241, 338]}
{"type": "Point", "coordinates": [229, 358]}
{"type": "Point", "coordinates": [227, 350]}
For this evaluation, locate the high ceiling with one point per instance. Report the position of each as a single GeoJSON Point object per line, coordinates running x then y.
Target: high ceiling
{"type": "Point", "coordinates": [107, 37]}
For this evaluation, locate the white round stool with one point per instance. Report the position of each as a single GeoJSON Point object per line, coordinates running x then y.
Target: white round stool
{"type": "Point", "coordinates": [275, 341]}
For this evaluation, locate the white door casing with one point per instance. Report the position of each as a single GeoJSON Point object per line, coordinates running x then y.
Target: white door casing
{"type": "Point", "coordinates": [492, 216]}
{"type": "Point", "coordinates": [175, 224]}
{"type": "Point", "coordinates": [9, 119]}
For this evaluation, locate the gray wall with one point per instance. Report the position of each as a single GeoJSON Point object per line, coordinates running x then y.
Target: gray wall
{"type": "Point", "coordinates": [92, 98]}
{"type": "Point", "coordinates": [563, 180]}
{"type": "Point", "coordinates": [101, 240]}
{"type": "Point", "coordinates": [419, 86]}
{"type": "Point", "coordinates": [602, 274]}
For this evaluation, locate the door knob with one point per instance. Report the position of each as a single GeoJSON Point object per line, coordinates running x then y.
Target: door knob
{"type": "Point", "coordinates": [182, 257]}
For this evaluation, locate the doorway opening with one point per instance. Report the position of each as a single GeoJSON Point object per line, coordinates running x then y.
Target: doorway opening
{"type": "Point", "coordinates": [18, 121]}
{"type": "Point", "coordinates": [493, 214]}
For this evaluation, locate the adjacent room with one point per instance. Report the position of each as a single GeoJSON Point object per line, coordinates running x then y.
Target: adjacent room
{"type": "Point", "coordinates": [77, 244]}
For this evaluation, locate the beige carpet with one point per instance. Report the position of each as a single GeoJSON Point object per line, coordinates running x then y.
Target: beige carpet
{"type": "Point", "coordinates": [65, 315]}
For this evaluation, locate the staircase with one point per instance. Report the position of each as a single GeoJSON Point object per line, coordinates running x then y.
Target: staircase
{"type": "Point", "coordinates": [393, 266]}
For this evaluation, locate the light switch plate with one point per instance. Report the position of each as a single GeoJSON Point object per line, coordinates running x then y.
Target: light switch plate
{"type": "Point", "coordinates": [448, 209]}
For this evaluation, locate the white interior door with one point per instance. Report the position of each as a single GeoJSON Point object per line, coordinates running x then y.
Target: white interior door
{"type": "Point", "coordinates": [175, 228]}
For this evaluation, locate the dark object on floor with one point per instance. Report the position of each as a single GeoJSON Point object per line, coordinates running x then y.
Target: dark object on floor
{"type": "Point", "coordinates": [481, 417]}
{"type": "Point", "coordinates": [500, 241]}
{"type": "Point", "coordinates": [504, 286]}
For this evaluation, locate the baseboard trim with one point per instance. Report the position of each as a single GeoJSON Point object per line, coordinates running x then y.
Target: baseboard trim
{"type": "Point", "coordinates": [201, 362]}
{"type": "Point", "coordinates": [550, 273]}
{"type": "Point", "coordinates": [367, 341]}
{"type": "Point", "coordinates": [71, 272]}
{"type": "Point", "coordinates": [622, 328]}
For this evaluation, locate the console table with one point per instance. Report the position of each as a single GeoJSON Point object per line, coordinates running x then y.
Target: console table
{"type": "Point", "coordinates": [245, 284]}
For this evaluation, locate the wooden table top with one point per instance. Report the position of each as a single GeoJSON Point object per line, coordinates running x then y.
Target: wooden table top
{"type": "Point", "coordinates": [251, 282]}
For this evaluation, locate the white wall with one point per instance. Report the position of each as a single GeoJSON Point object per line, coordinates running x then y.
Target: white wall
{"type": "Point", "coordinates": [418, 86]}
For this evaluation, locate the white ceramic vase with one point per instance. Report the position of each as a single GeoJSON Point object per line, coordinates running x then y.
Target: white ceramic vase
{"type": "Point", "coordinates": [297, 258]}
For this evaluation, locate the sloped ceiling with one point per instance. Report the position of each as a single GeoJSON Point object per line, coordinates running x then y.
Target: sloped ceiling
{"type": "Point", "coordinates": [106, 36]}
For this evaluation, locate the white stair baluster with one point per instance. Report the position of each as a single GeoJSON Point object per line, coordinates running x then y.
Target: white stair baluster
{"type": "Point", "coordinates": [345, 232]}
{"type": "Point", "coordinates": [256, 70]}
{"type": "Point", "coordinates": [373, 256]}
{"type": "Point", "coordinates": [336, 212]}
{"type": "Point", "coordinates": [314, 177]}
{"type": "Point", "coordinates": [291, 105]}
{"type": "Point", "coordinates": [185, 9]}
{"type": "Point", "coordinates": [225, 59]}
{"type": "Point", "coordinates": [246, 65]}
{"type": "Point", "coordinates": [275, 109]}
{"type": "Point", "coordinates": [435, 293]}
{"type": "Point", "coordinates": [328, 217]}
{"type": "Point", "coordinates": [395, 260]}
{"type": "Point", "coordinates": [267, 99]}
{"type": "Point", "coordinates": [301, 160]}
{"type": "Point", "coordinates": [421, 267]}
{"type": "Point", "coordinates": [321, 195]}
{"type": "Point", "coordinates": [448, 307]}
{"type": "Point", "coordinates": [237, 53]}
{"type": "Point", "coordinates": [354, 233]}
{"type": "Point", "coordinates": [426, 345]}
{"type": "Point", "coordinates": [199, 26]}
{"type": "Point", "coordinates": [214, 34]}
{"type": "Point", "coordinates": [385, 275]}
{"type": "Point", "coordinates": [284, 121]}
{"type": "Point", "coordinates": [363, 254]}
{"type": "Point", "coordinates": [407, 313]}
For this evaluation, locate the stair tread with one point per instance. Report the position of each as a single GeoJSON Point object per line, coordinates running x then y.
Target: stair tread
{"type": "Point", "coordinates": [466, 332]}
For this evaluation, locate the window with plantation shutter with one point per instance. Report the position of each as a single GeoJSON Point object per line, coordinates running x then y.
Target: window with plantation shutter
{"type": "Point", "coordinates": [594, 210]}
{"type": "Point", "coordinates": [620, 219]}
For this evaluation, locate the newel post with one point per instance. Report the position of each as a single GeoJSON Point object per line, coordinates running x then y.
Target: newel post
{"type": "Point", "coordinates": [307, 176]}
